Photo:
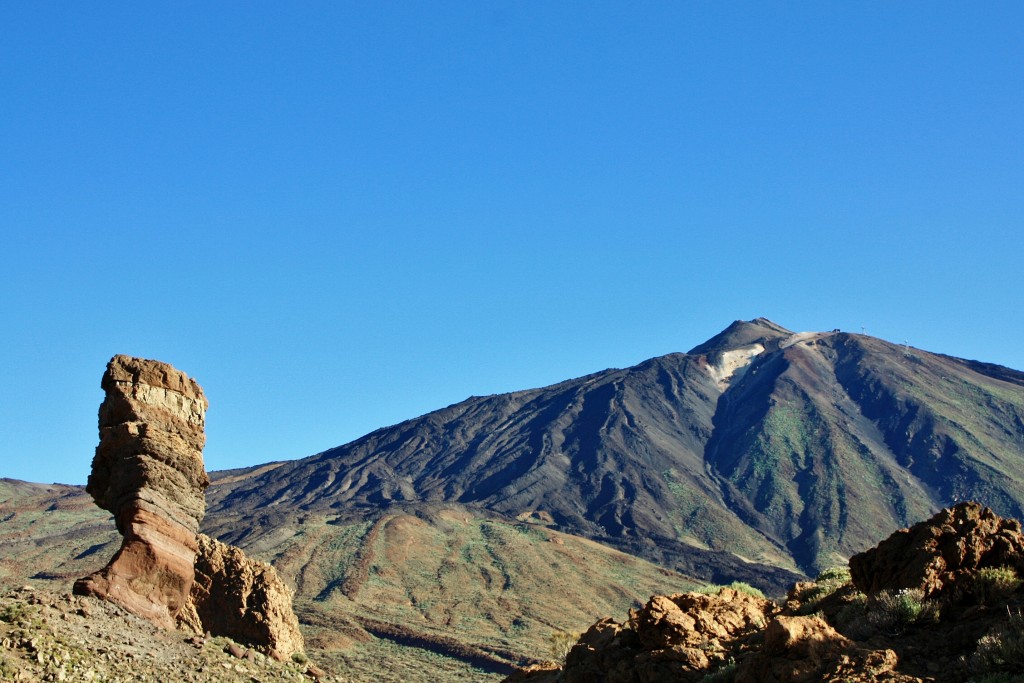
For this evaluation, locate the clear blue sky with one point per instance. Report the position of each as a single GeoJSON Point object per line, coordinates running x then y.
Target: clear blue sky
{"type": "Point", "coordinates": [340, 215]}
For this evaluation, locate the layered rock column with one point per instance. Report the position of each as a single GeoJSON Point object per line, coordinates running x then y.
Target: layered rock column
{"type": "Point", "coordinates": [148, 471]}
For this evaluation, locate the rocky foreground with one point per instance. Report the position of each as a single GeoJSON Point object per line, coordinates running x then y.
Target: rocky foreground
{"type": "Point", "coordinates": [50, 636]}
{"type": "Point", "coordinates": [942, 601]}
{"type": "Point", "coordinates": [939, 602]}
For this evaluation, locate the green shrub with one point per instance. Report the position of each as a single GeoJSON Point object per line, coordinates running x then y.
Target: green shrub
{"type": "Point", "coordinates": [893, 611]}
{"type": "Point", "coordinates": [993, 584]}
{"type": "Point", "coordinates": [835, 575]}
{"type": "Point", "coordinates": [741, 587]}
{"type": "Point", "coordinates": [1002, 649]}
{"type": "Point", "coordinates": [18, 614]}
{"type": "Point", "coordinates": [300, 658]}
{"type": "Point", "coordinates": [852, 614]}
{"type": "Point", "coordinates": [724, 674]}
{"type": "Point", "coordinates": [827, 583]}
{"type": "Point", "coordinates": [561, 644]}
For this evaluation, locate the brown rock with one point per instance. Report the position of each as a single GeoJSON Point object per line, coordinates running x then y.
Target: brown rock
{"type": "Point", "coordinates": [933, 555]}
{"type": "Point", "coordinates": [315, 672]}
{"type": "Point", "coordinates": [243, 599]}
{"type": "Point", "coordinates": [807, 650]}
{"type": "Point", "coordinates": [672, 638]}
{"type": "Point", "coordinates": [148, 471]}
{"type": "Point", "coordinates": [536, 673]}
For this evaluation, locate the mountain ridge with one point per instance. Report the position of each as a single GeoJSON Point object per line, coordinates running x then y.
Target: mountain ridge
{"type": "Point", "coordinates": [688, 455]}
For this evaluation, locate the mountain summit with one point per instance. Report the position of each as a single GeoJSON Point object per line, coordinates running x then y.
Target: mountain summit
{"type": "Point", "coordinates": [760, 453]}
{"type": "Point", "coordinates": [742, 333]}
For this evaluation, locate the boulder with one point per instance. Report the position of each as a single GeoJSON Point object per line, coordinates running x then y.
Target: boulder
{"type": "Point", "coordinates": [806, 649]}
{"type": "Point", "coordinates": [148, 471]}
{"type": "Point", "coordinates": [242, 598]}
{"type": "Point", "coordinates": [935, 554]}
{"type": "Point", "coordinates": [672, 638]}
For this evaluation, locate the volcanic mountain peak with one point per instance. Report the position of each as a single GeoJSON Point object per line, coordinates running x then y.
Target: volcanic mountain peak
{"type": "Point", "coordinates": [743, 333]}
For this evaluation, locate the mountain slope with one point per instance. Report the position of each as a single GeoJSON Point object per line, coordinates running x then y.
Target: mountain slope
{"type": "Point", "coordinates": [431, 593]}
{"type": "Point", "coordinates": [791, 451]}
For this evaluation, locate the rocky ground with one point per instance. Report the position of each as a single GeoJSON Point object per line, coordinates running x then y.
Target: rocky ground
{"type": "Point", "coordinates": [941, 602]}
{"type": "Point", "coordinates": [51, 636]}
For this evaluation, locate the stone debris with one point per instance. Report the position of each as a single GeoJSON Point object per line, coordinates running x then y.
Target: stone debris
{"type": "Point", "coordinates": [44, 638]}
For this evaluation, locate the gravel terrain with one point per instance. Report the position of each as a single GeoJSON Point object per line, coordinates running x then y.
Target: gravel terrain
{"type": "Point", "coordinates": [49, 636]}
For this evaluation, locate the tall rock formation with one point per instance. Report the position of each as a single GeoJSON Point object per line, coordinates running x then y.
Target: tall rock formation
{"type": "Point", "coordinates": [148, 471]}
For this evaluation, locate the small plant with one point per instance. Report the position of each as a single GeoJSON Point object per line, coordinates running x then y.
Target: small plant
{"type": "Point", "coordinates": [561, 644]}
{"type": "Point", "coordinates": [1002, 649]}
{"type": "Point", "coordinates": [17, 613]}
{"type": "Point", "coordinates": [724, 674]}
{"type": "Point", "coordinates": [300, 658]}
{"type": "Point", "coordinates": [10, 613]}
{"type": "Point", "coordinates": [852, 614]}
{"type": "Point", "coordinates": [738, 586]}
{"type": "Point", "coordinates": [993, 584]}
{"type": "Point", "coordinates": [741, 587]}
{"type": "Point", "coordinates": [827, 583]}
{"type": "Point", "coordinates": [893, 611]}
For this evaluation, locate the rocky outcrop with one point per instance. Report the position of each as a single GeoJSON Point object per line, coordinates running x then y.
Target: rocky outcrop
{"type": "Point", "coordinates": [940, 602]}
{"type": "Point", "coordinates": [672, 638]}
{"type": "Point", "coordinates": [243, 598]}
{"type": "Point", "coordinates": [807, 649]}
{"type": "Point", "coordinates": [148, 471]}
{"type": "Point", "coordinates": [936, 554]}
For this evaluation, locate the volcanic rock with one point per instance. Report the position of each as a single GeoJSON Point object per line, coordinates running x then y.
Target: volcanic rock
{"type": "Point", "coordinates": [806, 649]}
{"type": "Point", "coordinates": [148, 471]}
{"type": "Point", "coordinates": [242, 598]}
{"type": "Point", "coordinates": [935, 554]}
{"type": "Point", "coordinates": [677, 638]}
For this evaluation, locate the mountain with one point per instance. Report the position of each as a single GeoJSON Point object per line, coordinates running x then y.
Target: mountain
{"type": "Point", "coordinates": [454, 545]}
{"type": "Point", "coordinates": [761, 454]}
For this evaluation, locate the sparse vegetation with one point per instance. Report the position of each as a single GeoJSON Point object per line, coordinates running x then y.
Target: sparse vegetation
{"type": "Point", "coordinates": [724, 674]}
{"type": "Point", "coordinates": [827, 583]}
{"type": "Point", "coordinates": [738, 586]}
{"type": "Point", "coordinates": [1001, 677]}
{"type": "Point", "coordinates": [561, 644]}
{"type": "Point", "coordinates": [741, 587]}
{"type": "Point", "coordinates": [893, 611]}
{"type": "Point", "coordinates": [1001, 651]}
{"type": "Point", "coordinates": [852, 616]}
{"type": "Point", "coordinates": [993, 584]}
